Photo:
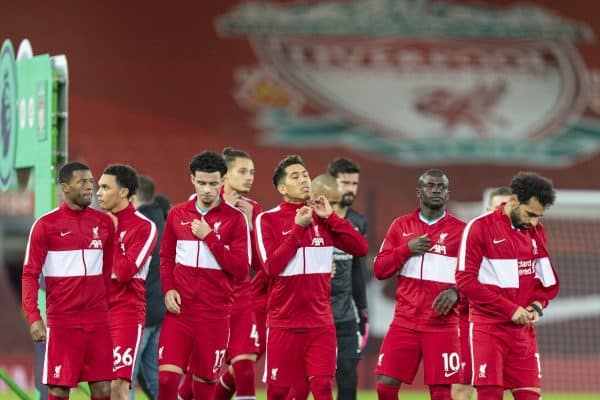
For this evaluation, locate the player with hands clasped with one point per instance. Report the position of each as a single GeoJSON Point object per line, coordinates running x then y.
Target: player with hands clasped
{"type": "Point", "coordinates": [421, 249]}
{"type": "Point", "coordinates": [505, 271]}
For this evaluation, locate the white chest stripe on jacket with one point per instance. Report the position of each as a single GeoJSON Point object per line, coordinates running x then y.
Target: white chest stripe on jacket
{"type": "Point", "coordinates": [187, 254]}
{"type": "Point", "coordinates": [503, 273]}
{"type": "Point", "coordinates": [70, 263]}
{"type": "Point", "coordinates": [310, 260]}
{"type": "Point", "coordinates": [436, 268]}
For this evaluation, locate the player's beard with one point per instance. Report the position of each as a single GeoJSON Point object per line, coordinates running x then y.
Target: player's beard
{"type": "Point", "coordinates": [82, 202]}
{"type": "Point", "coordinates": [347, 199]}
{"type": "Point", "coordinates": [515, 220]}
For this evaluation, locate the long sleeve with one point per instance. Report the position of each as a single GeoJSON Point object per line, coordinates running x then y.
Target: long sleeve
{"type": "Point", "coordinates": [469, 262]}
{"type": "Point", "coordinates": [35, 256]}
{"type": "Point", "coordinates": [546, 278]}
{"type": "Point", "coordinates": [133, 253]}
{"type": "Point", "coordinates": [276, 253]}
{"type": "Point", "coordinates": [167, 256]}
{"type": "Point", "coordinates": [107, 256]}
{"type": "Point", "coordinates": [345, 237]}
{"type": "Point", "coordinates": [235, 260]}
{"type": "Point", "coordinates": [392, 255]}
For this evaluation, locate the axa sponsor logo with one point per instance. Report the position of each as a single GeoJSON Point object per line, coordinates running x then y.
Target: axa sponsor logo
{"type": "Point", "coordinates": [444, 71]}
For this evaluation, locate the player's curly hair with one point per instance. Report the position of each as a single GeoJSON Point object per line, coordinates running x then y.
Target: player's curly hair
{"type": "Point", "coordinates": [529, 184]}
{"type": "Point", "coordinates": [279, 172]}
{"type": "Point", "coordinates": [342, 166]}
{"type": "Point", "coordinates": [125, 176]}
{"type": "Point", "coordinates": [208, 161]}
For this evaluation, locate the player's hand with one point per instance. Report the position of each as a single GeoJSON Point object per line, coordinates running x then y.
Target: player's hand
{"type": "Point", "coordinates": [173, 301]}
{"type": "Point", "coordinates": [321, 206]}
{"type": "Point", "coordinates": [522, 316]}
{"type": "Point", "coordinates": [534, 313]}
{"type": "Point", "coordinates": [419, 245]}
{"type": "Point", "coordinates": [444, 301]}
{"type": "Point", "coordinates": [38, 331]}
{"type": "Point", "coordinates": [303, 216]}
{"type": "Point", "coordinates": [200, 228]}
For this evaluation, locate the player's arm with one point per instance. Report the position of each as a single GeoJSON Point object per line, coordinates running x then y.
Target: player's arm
{"type": "Point", "coordinates": [345, 237]}
{"type": "Point", "coordinates": [35, 256]}
{"type": "Point", "coordinates": [470, 256]}
{"type": "Point", "coordinates": [107, 254]}
{"type": "Point", "coordinates": [133, 253]}
{"type": "Point", "coordinates": [394, 252]}
{"type": "Point", "coordinates": [359, 284]}
{"type": "Point", "coordinates": [546, 279]}
{"type": "Point", "coordinates": [236, 259]}
{"type": "Point", "coordinates": [274, 248]}
{"type": "Point", "coordinates": [168, 246]}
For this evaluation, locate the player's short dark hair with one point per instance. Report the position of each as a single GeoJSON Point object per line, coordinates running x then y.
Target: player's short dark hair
{"type": "Point", "coordinates": [529, 184]}
{"type": "Point", "coordinates": [436, 173]}
{"type": "Point", "coordinates": [342, 166]}
{"type": "Point", "coordinates": [145, 190]}
{"type": "Point", "coordinates": [279, 172]}
{"type": "Point", "coordinates": [230, 154]}
{"type": "Point", "coordinates": [164, 203]}
{"type": "Point", "coordinates": [66, 171]}
{"type": "Point", "coordinates": [208, 161]}
{"type": "Point", "coordinates": [500, 191]}
{"type": "Point", "coordinates": [125, 175]}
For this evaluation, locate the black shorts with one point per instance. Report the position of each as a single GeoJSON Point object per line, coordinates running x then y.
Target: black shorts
{"type": "Point", "coordinates": [348, 340]}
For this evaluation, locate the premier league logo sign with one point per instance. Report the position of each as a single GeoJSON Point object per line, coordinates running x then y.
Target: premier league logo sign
{"type": "Point", "coordinates": [417, 81]}
{"type": "Point", "coordinates": [8, 113]}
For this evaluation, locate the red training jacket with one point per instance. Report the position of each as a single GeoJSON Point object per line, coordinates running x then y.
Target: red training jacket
{"type": "Point", "coordinates": [74, 251]}
{"type": "Point", "coordinates": [501, 268]}
{"type": "Point", "coordinates": [202, 271]}
{"type": "Point", "coordinates": [135, 240]}
{"type": "Point", "coordinates": [420, 278]}
{"type": "Point", "coordinates": [298, 260]}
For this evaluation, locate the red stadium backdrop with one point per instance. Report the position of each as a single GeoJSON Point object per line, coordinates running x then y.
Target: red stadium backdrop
{"type": "Point", "coordinates": [479, 92]}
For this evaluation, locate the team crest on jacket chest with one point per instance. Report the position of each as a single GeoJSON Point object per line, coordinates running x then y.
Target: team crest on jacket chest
{"type": "Point", "coordinates": [96, 243]}
{"type": "Point", "coordinates": [318, 239]}
{"type": "Point", "coordinates": [440, 247]}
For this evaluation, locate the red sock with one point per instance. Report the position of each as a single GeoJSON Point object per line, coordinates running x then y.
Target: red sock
{"type": "Point", "coordinates": [440, 392]}
{"type": "Point", "coordinates": [526, 395]}
{"type": "Point", "coordinates": [244, 379]}
{"type": "Point", "coordinates": [53, 397]}
{"type": "Point", "coordinates": [387, 392]}
{"type": "Point", "coordinates": [185, 389]}
{"type": "Point", "coordinates": [225, 387]}
{"type": "Point", "coordinates": [167, 385]}
{"type": "Point", "coordinates": [320, 387]}
{"type": "Point", "coordinates": [490, 393]}
{"type": "Point", "coordinates": [203, 390]}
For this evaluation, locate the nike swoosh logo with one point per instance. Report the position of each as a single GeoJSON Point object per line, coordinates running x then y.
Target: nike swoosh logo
{"type": "Point", "coordinates": [185, 223]}
{"type": "Point", "coordinates": [496, 241]}
{"type": "Point", "coordinates": [62, 234]}
{"type": "Point", "coordinates": [119, 367]}
{"type": "Point", "coordinates": [449, 374]}
{"type": "Point", "coordinates": [286, 232]}
{"type": "Point", "coordinates": [404, 234]}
